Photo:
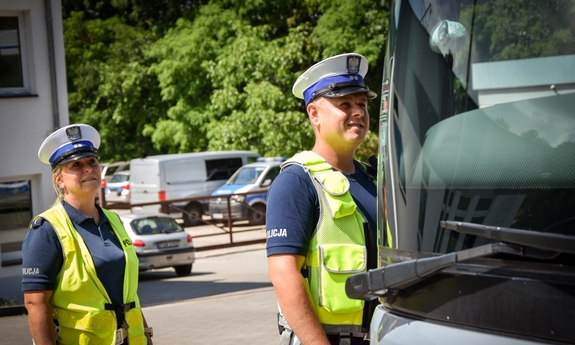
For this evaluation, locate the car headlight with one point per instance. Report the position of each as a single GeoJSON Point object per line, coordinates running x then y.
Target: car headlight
{"type": "Point", "coordinates": [238, 198]}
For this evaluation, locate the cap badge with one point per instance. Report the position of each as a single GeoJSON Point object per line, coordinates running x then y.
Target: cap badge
{"type": "Point", "coordinates": [353, 64]}
{"type": "Point", "coordinates": [74, 133]}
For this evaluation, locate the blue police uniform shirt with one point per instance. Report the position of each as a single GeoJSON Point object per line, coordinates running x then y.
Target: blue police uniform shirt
{"type": "Point", "coordinates": [293, 209]}
{"type": "Point", "coordinates": [42, 256]}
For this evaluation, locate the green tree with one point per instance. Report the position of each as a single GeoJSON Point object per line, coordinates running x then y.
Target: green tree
{"type": "Point", "coordinates": [178, 76]}
{"type": "Point", "coordinates": [228, 73]}
{"type": "Point", "coordinates": [109, 85]}
{"type": "Point", "coordinates": [157, 14]}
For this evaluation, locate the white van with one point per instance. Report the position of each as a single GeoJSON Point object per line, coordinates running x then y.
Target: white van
{"type": "Point", "coordinates": [183, 175]}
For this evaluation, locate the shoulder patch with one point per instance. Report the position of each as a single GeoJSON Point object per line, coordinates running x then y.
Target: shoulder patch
{"type": "Point", "coordinates": [37, 222]}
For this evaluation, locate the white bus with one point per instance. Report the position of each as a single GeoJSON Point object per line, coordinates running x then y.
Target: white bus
{"type": "Point", "coordinates": [476, 175]}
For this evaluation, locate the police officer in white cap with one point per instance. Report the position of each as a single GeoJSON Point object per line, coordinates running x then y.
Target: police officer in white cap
{"type": "Point", "coordinates": [79, 268]}
{"type": "Point", "coordinates": [321, 212]}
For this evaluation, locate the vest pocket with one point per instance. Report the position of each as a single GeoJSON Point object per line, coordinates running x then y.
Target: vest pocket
{"type": "Point", "coordinates": [339, 261]}
{"type": "Point", "coordinates": [335, 191]}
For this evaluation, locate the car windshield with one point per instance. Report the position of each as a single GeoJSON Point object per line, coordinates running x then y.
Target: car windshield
{"type": "Point", "coordinates": [155, 225]}
{"type": "Point", "coordinates": [481, 122]}
{"type": "Point", "coordinates": [246, 175]}
{"type": "Point", "coordinates": [120, 178]}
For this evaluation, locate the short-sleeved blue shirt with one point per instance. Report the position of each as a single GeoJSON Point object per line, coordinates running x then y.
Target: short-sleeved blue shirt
{"type": "Point", "coordinates": [293, 209]}
{"type": "Point", "coordinates": [42, 256]}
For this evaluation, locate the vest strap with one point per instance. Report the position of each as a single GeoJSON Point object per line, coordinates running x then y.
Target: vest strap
{"type": "Point", "coordinates": [120, 310]}
{"type": "Point", "coordinates": [331, 185]}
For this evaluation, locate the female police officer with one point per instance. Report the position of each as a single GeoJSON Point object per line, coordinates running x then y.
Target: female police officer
{"type": "Point", "coordinates": [80, 271]}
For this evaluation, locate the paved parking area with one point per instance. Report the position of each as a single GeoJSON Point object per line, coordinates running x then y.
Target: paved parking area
{"type": "Point", "coordinates": [227, 299]}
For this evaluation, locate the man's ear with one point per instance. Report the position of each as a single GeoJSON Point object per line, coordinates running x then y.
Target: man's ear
{"type": "Point", "coordinates": [313, 112]}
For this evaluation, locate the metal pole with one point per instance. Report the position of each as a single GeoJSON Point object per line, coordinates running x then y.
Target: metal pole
{"type": "Point", "coordinates": [230, 219]}
{"type": "Point", "coordinates": [52, 64]}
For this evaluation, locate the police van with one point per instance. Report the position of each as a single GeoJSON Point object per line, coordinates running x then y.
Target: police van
{"type": "Point", "coordinates": [184, 175]}
{"type": "Point", "coordinates": [252, 177]}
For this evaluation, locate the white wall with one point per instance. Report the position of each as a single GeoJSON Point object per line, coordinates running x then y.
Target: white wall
{"type": "Point", "coordinates": [25, 121]}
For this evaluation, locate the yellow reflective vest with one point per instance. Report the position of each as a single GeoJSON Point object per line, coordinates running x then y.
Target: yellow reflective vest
{"type": "Point", "coordinates": [337, 249]}
{"type": "Point", "coordinates": [79, 298]}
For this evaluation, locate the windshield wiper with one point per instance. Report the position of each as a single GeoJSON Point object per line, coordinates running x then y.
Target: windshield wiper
{"type": "Point", "coordinates": [401, 275]}
{"type": "Point", "coordinates": [169, 230]}
{"type": "Point", "coordinates": [377, 282]}
{"type": "Point", "coordinates": [535, 239]}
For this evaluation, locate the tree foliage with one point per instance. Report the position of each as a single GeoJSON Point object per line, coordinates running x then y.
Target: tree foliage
{"type": "Point", "coordinates": [109, 85]}
{"type": "Point", "coordinates": [211, 75]}
{"type": "Point", "coordinates": [157, 14]}
{"type": "Point", "coordinates": [523, 29]}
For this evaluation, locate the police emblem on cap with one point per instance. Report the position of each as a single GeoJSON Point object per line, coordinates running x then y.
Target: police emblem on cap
{"type": "Point", "coordinates": [74, 133]}
{"type": "Point", "coordinates": [68, 144]}
{"type": "Point", "coordinates": [335, 76]}
{"type": "Point", "coordinates": [353, 62]}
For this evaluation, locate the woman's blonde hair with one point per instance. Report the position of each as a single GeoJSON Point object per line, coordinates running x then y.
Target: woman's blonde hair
{"type": "Point", "coordinates": [59, 191]}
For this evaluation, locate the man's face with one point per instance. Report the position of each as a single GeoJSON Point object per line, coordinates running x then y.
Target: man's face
{"type": "Point", "coordinates": [340, 121]}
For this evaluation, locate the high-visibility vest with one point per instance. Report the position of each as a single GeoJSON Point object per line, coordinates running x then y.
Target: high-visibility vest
{"type": "Point", "coordinates": [337, 248]}
{"type": "Point", "coordinates": [79, 298]}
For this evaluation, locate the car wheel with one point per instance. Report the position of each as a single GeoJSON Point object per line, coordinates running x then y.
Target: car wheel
{"type": "Point", "coordinates": [183, 270]}
{"type": "Point", "coordinates": [193, 215]}
{"type": "Point", "coordinates": [255, 217]}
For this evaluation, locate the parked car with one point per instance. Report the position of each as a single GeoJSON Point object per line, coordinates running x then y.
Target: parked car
{"type": "Point", "coordinates": [118, 188]}
{"type": "Point", "coordinates": [109, 169]}
{"type": "Point", "coordinates": [251, 177]}
{"type": "Point", "coordinates": [160, 242]}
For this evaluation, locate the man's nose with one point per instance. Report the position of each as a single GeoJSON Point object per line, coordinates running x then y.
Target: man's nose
{"type": "Point", "coordinates": [358, 110]}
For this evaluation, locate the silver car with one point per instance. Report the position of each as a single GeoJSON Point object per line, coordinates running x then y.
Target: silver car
{"type": "Point", "coordinates": [118, 188]}
{"type": "Point", "coordinates": [160, 242]}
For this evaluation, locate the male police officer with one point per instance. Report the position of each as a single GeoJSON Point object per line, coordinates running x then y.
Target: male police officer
{"type": "Point", "coordinates": [318, 210]}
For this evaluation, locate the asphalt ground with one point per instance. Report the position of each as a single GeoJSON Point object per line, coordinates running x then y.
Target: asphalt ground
{"type": "Point", "coordinates": [227, 299]}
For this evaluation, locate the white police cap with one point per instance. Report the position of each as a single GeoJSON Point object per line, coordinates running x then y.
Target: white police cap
{"type": "Point", "coordinates": [69, 143]}
{"type": "Point", "coordinates": [335, 76]}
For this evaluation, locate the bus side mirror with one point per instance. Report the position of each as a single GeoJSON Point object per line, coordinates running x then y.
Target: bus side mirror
{"type": "Point", "coordinates": [447, 37]}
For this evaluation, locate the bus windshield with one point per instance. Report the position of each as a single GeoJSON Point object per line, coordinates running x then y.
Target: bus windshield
{"type": "Point", "coordinates": [481, 119]}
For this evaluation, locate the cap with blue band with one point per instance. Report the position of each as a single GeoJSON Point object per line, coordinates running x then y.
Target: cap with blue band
{"type": "Point", "coordinates": [333, 84]}
{"type": "Point", "coordinates": [77, 146]}
{"type": "Point", "coordinates": [336, 76]}
{"type": "Point", "coordinates": [69, 143]}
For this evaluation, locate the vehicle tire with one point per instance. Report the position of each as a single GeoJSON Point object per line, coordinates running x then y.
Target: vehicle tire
{"type": "Point", "coordinates": [194, 214]}
{"type": "Point", "coordinates": [183, 270]}
{"type": "Point", "coordinates": [257, 218]}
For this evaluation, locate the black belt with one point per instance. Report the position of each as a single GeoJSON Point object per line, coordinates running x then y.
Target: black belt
{"type": "Point", "coordinates": [346, 339]}
{"type": "Point", "coordinates": [120, 310]}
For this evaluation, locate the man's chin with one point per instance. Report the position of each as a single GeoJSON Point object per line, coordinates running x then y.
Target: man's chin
{"type": "Point", "coordinates": [357, 138]}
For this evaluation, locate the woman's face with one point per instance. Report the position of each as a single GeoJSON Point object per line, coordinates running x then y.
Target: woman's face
{"type": "Point", "coordinates": [80, 177]}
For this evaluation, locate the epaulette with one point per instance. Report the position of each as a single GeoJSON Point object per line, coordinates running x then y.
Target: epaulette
{"type": "Point", "coordinates": [370, 168]}
{"type": "Point", "coordinates": [36, 223]}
